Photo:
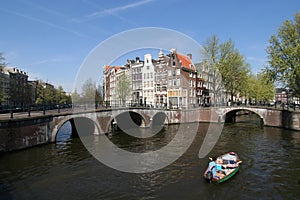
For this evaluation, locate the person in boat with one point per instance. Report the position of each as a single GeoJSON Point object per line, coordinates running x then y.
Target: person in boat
{"type": "Point", "coordinates": [212, 163]}
{"type": "Point", "coordinates": [211, 169]}
{"type": "Point", "coordinates": [219, 168]}
{"type": "Point", "coordinates": [215, 168]}
{"type": "Point", "coordinates": [232, 164]}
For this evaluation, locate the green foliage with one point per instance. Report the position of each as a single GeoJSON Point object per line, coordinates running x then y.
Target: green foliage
{"type": "Point", "coordinates": [123, 87]}
{"type": "Point", "coordinates": [61, 97]}
{"type": "Point", "coordinates": [284, 55]}
{"type": "Point", "coordinates": [89, 91]}
{"type": "Point", "coordinates": [3, 95]}
{"type": "Point", "coordinates": [211, 53]}
{"type": "Point", "coordinates": [260, 88]}
{"type": "Point", "coordinates": [225, 60]}
{"type": "Point", "coordinates": [2, 63]}
{"type": "Point", "coordinates": [49, 95]}
{"type": "Point", "coordinates": [45, 94]}
{"type": "Point", "coordinates": [233, 68]}
{"type": "Point", "coordinates": [75, 97]}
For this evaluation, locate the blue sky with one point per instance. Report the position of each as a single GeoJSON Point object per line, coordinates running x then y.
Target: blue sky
{"type": "Point", "coordinates": [51, 39]}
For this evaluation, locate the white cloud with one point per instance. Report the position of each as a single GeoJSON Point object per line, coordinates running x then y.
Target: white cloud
{"type": "Point", "coordinates": [50, 60]}
{"type": "Point", "coordinates": [47, 23]}
{"type": "Point", "coordinates": [112, 11]}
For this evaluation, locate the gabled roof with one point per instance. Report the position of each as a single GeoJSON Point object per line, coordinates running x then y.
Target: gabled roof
{"type": "Point", "coordinates": [107, 68]}
{"type": "Point", "coordinates": [186, 62]}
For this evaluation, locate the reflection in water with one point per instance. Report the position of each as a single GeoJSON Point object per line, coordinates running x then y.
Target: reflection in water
{"type": "Point", "coordinates": [64, 134]}
{"type": "Point", "coordinates": [66, 170]}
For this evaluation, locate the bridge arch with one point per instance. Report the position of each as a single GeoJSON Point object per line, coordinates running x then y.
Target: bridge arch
{"type": "Point", "coordinates": [230, 114]}
{"type": "Point", "coordinates": [159, 119]}
{"type": "Point", "coordinates": [80, 125]}
{"type": "Point", "coordinates": [126, 120]}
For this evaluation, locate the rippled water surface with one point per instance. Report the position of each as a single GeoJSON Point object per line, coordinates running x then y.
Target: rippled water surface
{"type": "Point", "coordinates": [66, 170]}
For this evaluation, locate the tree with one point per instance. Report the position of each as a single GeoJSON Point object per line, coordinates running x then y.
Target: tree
{"type": "Point", "coordinates": [45, 93]}
{"type": "Point", "coordinates": [123, 88]}
{"type": "Point", "coordinates": [89, 91]}
{"type": "Point", "coordinates": [228, 68]}
{"type": "Point", "coordinates": [249, 92]}
{"type": "Point", "coordinates": [284, 55]}
{"type": "Point", "coordinates": [211, 53]}
{"type": "Point", "coordinates": [233, 68]}
{"type": "Point", "coordinates": [267, 88]}
{"type": "Point", "coordinates": [60, 95]}
{"type": "Point", "coordinates": [75, 97]}
{"type": "Point", "coordinates": [99, 94]}
{"type": "Point", "coordinates": [259, 88]}
{"type": "Point", "coordinates": [3, 95]}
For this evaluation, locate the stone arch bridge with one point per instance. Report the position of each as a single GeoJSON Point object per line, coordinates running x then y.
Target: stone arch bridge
{"type": "Point", "coordinates": [31, 131]}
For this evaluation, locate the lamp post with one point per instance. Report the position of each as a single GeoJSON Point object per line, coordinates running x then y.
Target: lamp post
{"type": "Point", "coordinates": [59, 102]}
{"type": "Point", "coordinates": [43, 95]}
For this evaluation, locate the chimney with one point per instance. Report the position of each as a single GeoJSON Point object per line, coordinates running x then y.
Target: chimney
{"type": "Point", "coordinates": [189, 55]}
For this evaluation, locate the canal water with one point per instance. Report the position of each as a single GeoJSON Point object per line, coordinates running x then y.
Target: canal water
{"type": "Point", "coordinates": [66, 170]}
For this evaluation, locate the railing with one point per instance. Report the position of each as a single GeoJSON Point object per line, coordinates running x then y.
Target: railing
{"type": "Point", "coordinates": [27, 111]}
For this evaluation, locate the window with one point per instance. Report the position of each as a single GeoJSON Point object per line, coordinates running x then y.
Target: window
{"type": "Point", "coordinates": [161, 99]}
{"type": "Point", "coordinates": [174, 82]}
{"type": "Point", "coordinates": [178, 81]}
{"type": "Point", "coordinates": [170, 73]}
{"type": "Point", "coordinates": [177, 71]}
{"type": "Point", "coordinates": [157, 76]}
{"type": "Point", "coordinates": [158, 88]}
{"type": "Point", "coordinates": [164, 75]}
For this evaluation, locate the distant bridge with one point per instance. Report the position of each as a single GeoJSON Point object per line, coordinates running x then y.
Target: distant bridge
{"type": "Point", "coordinates": [22, 132]}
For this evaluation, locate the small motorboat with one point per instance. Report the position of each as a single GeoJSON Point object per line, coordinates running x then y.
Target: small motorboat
{"type": "Point", "coordinates": [222, 168]}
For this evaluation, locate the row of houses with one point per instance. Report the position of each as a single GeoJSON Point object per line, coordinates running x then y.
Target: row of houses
{"type": "Point", "coordinates": [285, 96]}
{"type": "Point", "coordinates": [171, 81]}
{"type": "Point", "coordinates": [16, 90]}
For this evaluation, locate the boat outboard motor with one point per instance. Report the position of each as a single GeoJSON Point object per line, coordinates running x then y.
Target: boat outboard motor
{"type": "Point", "coordinates": [208, 176]}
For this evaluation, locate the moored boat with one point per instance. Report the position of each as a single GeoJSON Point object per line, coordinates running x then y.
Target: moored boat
{"type": "Point", "coordinates": [222, 168]}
